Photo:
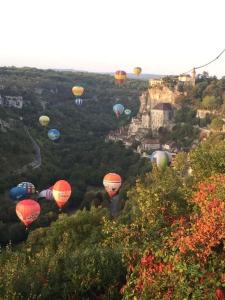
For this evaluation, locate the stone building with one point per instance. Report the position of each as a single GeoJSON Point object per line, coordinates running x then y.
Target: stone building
{"type": "Point", "coordinates": [13, 101]}
{"type": "Point", "coordinates": [161, 116]}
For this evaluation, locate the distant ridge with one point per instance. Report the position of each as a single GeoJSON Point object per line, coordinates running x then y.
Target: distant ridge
{"type": "Point", "coordinates": [144, 76]}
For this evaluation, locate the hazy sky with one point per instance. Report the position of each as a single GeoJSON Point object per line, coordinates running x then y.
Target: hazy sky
{"type": "Point", "coordinates": [163, 37]}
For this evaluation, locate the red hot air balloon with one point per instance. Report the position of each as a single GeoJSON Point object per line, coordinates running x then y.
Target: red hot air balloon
{"type": "Point", "coordinates": [112, 183]}
{"type": "Point", "coordinates": [28, 211]}
{"type": "Point", "coordinates": [61, 192]}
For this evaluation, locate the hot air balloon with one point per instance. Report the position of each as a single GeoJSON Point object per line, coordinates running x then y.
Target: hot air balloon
{"type": "Point", "coordinates": [44, 120]}
{"type": "Point", "coordinates": [118, 109]}
{"type": "Point", "coordinates": [16, 193]}
{"type": "Point", "coordinates": [120, 77]}
{"type": "Point", "coordinates": [127, 111]}
{"type": "Point", "coordinates": [61, 192]}
{"type": "Point", "coordinates": [112, 182]}
{"type": "Point", "coordinates": [137, 71]}
{"type": "Point", "coordinates": [161, 158]}
{"type": "Point", "coordinates": [78, 91]}
{"type": "Point", "coordinates": [28, 211]}
{"type": "Point", "coordinates": [53, 134]}
{"type": "Point", "coordinates": [47, 194]}
{"type": "Point", "coordinates": [28, 186]}
{"type": "Point", "coordinates": [78, 101]}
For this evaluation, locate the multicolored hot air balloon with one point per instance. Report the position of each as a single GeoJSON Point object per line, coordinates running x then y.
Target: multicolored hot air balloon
{"type": "Point", "coordinates": [162, 159]}
{"type": "Point", "coordinates": [118, 109]}
{"type": "Point", "coordinates": [78, 91]}
{"type": "Point", "coordinates": [137, 71]}
{"type": "Point", "coordinates": [28, 186]}
{"type": "Point", "coordinates": [78, 101]}
{"type": "Point", "coordinates": [44, 120]}
{"type": "Point", "coordinates": [28, 211]}
{"type": "Point", "coordinates": [16, 193]}
{"type": "Point", "coordinates": [120, 77]}
{"type": "Point", "coordinates": [61, 192]}
{"type": "Point", "coordinates": [53, 134]}
{"type": "Point", "coordinates": [112, 183]}
{"type": "Point", "coordinates": [127, 111]}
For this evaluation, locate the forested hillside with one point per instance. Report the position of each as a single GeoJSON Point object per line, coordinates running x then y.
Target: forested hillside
{"type": "Point", "coordinates": [80, 155]}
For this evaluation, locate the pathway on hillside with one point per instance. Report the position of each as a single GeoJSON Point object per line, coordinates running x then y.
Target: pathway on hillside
{"type": "Point", "coordinates": [37, 162]}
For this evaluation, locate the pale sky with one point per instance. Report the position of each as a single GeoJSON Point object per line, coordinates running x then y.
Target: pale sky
{"type": "Point", "coordinates": [162, 37]}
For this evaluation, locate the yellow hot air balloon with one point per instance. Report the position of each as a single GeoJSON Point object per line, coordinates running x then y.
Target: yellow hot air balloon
{"type": "Point", "coordinates": [78, 91]}
{"type": "Point", "coordinates": [137, 71]}
{"type": "Point", "coordinates": [44, 120]}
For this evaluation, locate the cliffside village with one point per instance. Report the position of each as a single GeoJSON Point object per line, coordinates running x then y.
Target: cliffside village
{"type": "Point", "coordinates": [157, 107]}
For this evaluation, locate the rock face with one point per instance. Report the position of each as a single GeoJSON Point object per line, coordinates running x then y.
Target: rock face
{"type": "Point", "coordinates": [157, 105]}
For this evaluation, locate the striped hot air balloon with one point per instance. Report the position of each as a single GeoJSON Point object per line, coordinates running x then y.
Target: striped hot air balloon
{"type": "Point", "coordinates": [28, 211]}
{"type": "Point", "coordinates": [120, 77]}
{"type": "Point", "coordinates": [78, 101]}
{"type": "Point", "coordinates": [61, 192]}
{"type": "Point", "coordinates": [112, 183]}
{"type": "Point", "coordinates": [47, 194]}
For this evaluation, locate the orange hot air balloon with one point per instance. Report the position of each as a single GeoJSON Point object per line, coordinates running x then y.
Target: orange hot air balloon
{"type": "Point", "coordinates": [28, 211]}
{"type": "Point", "coordinates": [61, 192]}
{"type": "Point", "coordinates": [112, 183]}
{"type": "Point", "coordinates": [78, 91]}
{"type": "Point", "coordinates": [120, 77]}
{"type": "Point", "coordinates": [137, 71]}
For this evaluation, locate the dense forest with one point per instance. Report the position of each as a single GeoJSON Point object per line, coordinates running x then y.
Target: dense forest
{"type": "Point", "coordinates": [166, 243]}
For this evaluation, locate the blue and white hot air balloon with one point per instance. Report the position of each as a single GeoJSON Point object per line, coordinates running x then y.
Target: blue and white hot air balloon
{"type": "Point", "coordinates": [53, 134]}
{"type": "Point", "coordinates": [17, 193]}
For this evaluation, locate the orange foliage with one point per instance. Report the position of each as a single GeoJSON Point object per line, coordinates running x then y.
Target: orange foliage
{"type": "Point", "coordinates": [206, 229]}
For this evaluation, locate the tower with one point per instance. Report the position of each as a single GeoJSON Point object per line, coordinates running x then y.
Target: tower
{"type": "Point", "coordinates": [193, 76]}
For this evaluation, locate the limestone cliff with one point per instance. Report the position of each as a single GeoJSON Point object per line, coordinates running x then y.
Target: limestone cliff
{"type": "Point", "coordinates": [161, 94]}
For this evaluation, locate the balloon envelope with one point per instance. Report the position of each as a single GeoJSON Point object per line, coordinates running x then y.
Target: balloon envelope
{"type": "Point", "coordinates": [120, 76]}
{"type": "Point", "coordinates": [137, 71]}
{"type": "Point", "coordinates": [118, 109]}
{"type": "Point", "coordinates": [78, 90]}
{"type": "Point", "coordinates": [61, 192]}
{"type": "Point", "coordinates": [53, 134]}
{"type": "Point", "coordinates": [112, 182]}
{"type": "Point", "coordinates": [78, 101]}
{"type": "Point", "coordinates": [161, 158]}
{"type": "Point", "coordinates": [28, 211]}
{"type": "Point", "coordinates": [17, 193]}
{"type": "Point", "coordinates": [47, 194]}
{"type": "Point", "coordinates": [127, 112]}
{"type": "Point", "coordinates": [44, 120]}
{"type": "Point", "coordinates": [28, 186]}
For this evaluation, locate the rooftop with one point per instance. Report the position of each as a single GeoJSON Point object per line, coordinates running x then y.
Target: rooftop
{"type": "Point", "coordinates": [163, 106]}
